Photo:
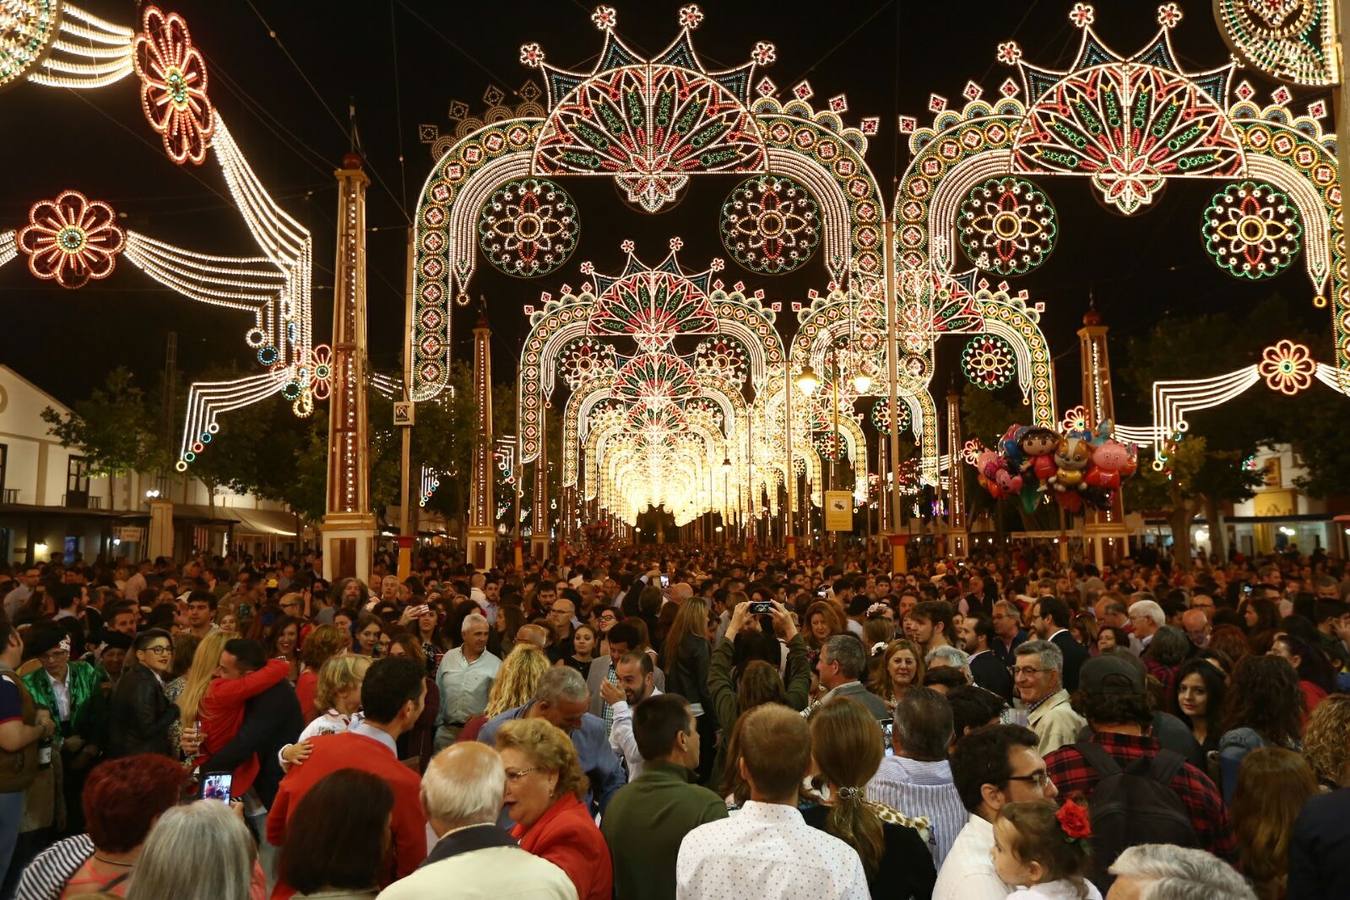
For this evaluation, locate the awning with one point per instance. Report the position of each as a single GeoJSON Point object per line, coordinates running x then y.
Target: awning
{"type": "Point", "coordinates": [277, 522]}
{"type": "Point", "coordinates": [203, 515]}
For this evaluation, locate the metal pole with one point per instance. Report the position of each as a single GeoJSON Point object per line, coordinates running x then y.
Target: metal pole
{"type": "Point", "coordinates": [790, 530]}
{"type": "Point", "coordinates": [893, 370]}
{"type": "Point", "coordinates": [405, 537]}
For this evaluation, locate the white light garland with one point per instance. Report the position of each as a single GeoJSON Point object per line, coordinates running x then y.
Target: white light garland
{"type": "Point", "coordinates": [91, 53]}
{"type": "Point", "coordinates": [8, 248]}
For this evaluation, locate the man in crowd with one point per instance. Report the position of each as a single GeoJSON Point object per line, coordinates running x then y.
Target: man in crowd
{"type": "Point", "coordinates": [562, 700]}
{"type": "Point", "coordinates": [988, 671]}
{"type": "Point", "coordinates": [841, 665]}
{"type": "Point", "coordinates": [992, 767]}
{"type": "Point", "coordinates": [649, 817]}
{"type": "Point", "coordinates": [464, 679]}
{"type": "Point", "coordinates": [1167, 872]}
{"type": "Point", "coordinates": [1115, 702]}
{"type": "Point", "coordinates": [1198, 628]}
{"type": "Point", "coordinates": [917, 780]}
{"type": "Point", "coordinates": [622, 638]}
{"type": "Point", "coordinates": [636, 684]}
{"type": "Point", "coordinates": [560, 616]}
{"type": "Point", "coordinates": [22, 727]}
{"type": "Point", "coordinates": [1037, 675]}
{"type": "Point", "coordinates": [1050, 621]}
{"type": "Point", "coordinates": [929, 625]}
{"type": "Point", "coordinates": [1146, 617]}
{"type": "Point", "coordinates": [392, 695]}
{"type": "Point", "coordinates": [1008, 632]}
{"type": "Point", "coordinates": [201, 608]}
{"type": "Point", "coordinates": [462, 796]}
{"type": "Point", "coordinates": [15, 599]}
{"type": "Point", "coordinates": [767, 850]}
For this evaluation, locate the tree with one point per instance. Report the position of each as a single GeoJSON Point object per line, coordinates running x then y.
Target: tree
{"type": "Point", "coordinates": [114, 429]}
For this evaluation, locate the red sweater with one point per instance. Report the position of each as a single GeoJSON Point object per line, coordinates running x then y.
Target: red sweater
{"type": "Point", "coordinates": [222, 713]}
{"type": "Point", "coordinates": [355, 751]}
{"type": "Point", "coordinates": [566, 836]}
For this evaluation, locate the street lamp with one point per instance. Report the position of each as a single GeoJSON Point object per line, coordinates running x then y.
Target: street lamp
{"type": "Point", "coordinates": [807, 380]}
{"type": "Point", "coordinates": [862, 382]}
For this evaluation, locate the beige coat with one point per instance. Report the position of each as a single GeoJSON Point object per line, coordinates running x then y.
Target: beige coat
{"type": "Point", "coordinates": [1055, 723]}
{"type": "Point", "coordinates": [494, 873]}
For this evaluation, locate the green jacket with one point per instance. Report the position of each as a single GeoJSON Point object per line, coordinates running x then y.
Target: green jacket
{"type": "Point", "coordinates": [86, 700]}
{"type": "Point", "coordinates": [722, 686]}
{"type": "Point", "coordinates": [644, 824]}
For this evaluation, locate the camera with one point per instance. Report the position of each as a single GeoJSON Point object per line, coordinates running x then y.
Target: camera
{"type": "Point", "coordinates": [761, 608]}
{"type": "Point", "coordinates": [665, 581]}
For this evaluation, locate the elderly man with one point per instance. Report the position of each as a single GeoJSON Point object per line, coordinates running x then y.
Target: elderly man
{"type": "Point", "coordinates": [840, 666]}
{"type": "Point", "coordinates": [1146, 617]}
{"type": "Point", "coordinates": [1038, 678]}
{"type": "Point", "coordinates": [464, 679]}
{"type": "Point", "coordinates": [1165, 871]}
{"type": "Point", "coordinates": [562, 700]}
{"type": "Point", "coordinates": [462, 795]}
{"type": "Point", "coordinates": [1197, 626]}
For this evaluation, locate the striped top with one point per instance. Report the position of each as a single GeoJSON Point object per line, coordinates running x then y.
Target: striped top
{"type": "Point", "coordinates": [47, 875]}
{"type": "Point", "coordinates": [922, 789]}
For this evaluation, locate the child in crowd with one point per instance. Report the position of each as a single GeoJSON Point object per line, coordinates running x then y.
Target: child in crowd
{"type": "Point", "coordinates": [1044, 851]}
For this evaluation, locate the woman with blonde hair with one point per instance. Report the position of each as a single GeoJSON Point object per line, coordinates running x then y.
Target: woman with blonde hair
{"type": "Point", "coordinates": [901, 668]}
{"type": "Point", "coordinates": [1273, 784]}
{"type": "Point", "coordinates": [339, 691]}
{"type": "Point", "coordinates": [514, 686]}
{"type": "Point", "coordinates": [1326, 742]}
{"type": "Point", "coordinates": [846, 750]}
{"type": "Point", "coordinates": [205, 661]}
{"type": "Point", "coordinates": [545, 788]}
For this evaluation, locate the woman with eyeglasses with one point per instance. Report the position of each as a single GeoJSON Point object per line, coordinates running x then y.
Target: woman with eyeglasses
{"type": "Point", "coordinates": [606, 619]}
{"type": "Point", "coordinates": [139, 713]}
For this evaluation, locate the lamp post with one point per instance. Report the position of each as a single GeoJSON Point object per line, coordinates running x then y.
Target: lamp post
{"type": "Point", "coordinates": [726, 486]}
{"type": "Point", "coordinates": [807, 382]}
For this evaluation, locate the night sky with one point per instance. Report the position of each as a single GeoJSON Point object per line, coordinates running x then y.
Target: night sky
{"type": "Point", "coordinates": [403, 63]}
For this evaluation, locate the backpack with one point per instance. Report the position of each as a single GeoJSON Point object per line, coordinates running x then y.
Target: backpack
{"type": "Point", "coordinates": [1132, 806]}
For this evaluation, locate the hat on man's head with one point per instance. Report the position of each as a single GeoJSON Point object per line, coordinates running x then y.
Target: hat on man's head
{"type": "Point", "coordinates": [1111, 674]}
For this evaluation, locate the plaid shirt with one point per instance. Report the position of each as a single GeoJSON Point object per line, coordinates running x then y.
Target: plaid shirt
{"type": "Point", "coordinates": [1075, 779]}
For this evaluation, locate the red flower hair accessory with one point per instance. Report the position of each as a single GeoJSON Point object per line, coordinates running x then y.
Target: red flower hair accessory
{"type": "Point", "coordinates": [1073, 821]}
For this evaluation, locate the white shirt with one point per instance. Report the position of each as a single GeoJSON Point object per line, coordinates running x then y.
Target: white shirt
{"type": "Point", "coordinates": [464, 685]}
{"type": "Point", "coordinates": [968, 871]}
{"type": "Point", "coordinates": [331, 722]}
{"type": "Point", "coordinates": [917, 788]}
{"type": "Point", "coordinates": [1064, 889]}
{"type": "Point", "coordinates": [621, 737]}
{"type": "Point", "coordinates": [61, 692]}
{"type": "Point", "coordinates": [767, 852]}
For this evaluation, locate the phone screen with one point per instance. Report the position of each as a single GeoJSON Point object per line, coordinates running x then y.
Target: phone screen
{"type": "Point", "coordinates": [665, 581]}
{"type": "Point", "coordinates": [887, 726]}
{"type": "Point", "coordinates": [217, 787]}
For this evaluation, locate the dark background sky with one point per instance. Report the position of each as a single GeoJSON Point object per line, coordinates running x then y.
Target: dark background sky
{"type": "Point", "coordinates": [403, 62]}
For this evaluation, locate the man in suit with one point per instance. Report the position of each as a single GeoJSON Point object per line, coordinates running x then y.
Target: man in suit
{"type": "Point", "coordinates": [1050, 620]}
{"type": "Point", "coordinates": [392, 696]}
{"type": "Point", "coordinates": [842, 663]}
{"type": "Point", "coordinates": [989, 672]}
{"type": "Point", "coordinates": [462, 795]}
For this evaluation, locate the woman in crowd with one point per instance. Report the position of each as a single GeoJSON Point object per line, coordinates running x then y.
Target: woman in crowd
{"type": "Point", "coordinates": [1197, 698]}
{"type": "Point", "coordinates": [901, 668]}
{"type": "Point", "coordinates": [427, 627]}
{"type": "Point", "coordinates": [1109, 637]}
{"type": "Point", "coordinates": [339, 692]}
{"type": "Point", "coordinates": [583, 650]}
{"type": "Point", "coordinates": [339, 837]}
{"type": "Point", "coordinates": [1264, 708]}
{"type": "Point", "coordinates": [1260, 619]}
{"type": "Point", "coordinates": [644, 644]}
{"type": "Point", "coordinates": [1273, 784]}
{"type": "Point", "coordinates": [605, 619]}
{"type": "Point", "coordinates": [514, 686]}
{"type": "Point", "coordinates": [823, 621]}
{"type": "Point", "coordinates": [545, 787]}
{"type": "Point", "coordinates": [1315, 676]}
{"type": "Point", "coordinates": [323, 643]}
{"type": "Point", "coordinates": [201, 851]}
{"type": "Point", "coordinates": [1326, 743]}
{"type": "Point", "coordinates": [419, 740]}
{"type": "Point", "coordinates": [369, 630]}
{"type": "Point", "coordinates": [283, 642]}
{"type": "Point", "coordinates": [509, 620]}
{"type": "Point", "coordinates": [139, 714]}
{"type": "Point", "coordinates": [686, 658]}
{"type": "Point", "coordinates": [1232, 643]}
{"type": "Point", "coordinates": [122, 800]}
{"type": "Point", "coordinates": [846, 749]}
{"type": "Point", "coordinates": [184, 649]}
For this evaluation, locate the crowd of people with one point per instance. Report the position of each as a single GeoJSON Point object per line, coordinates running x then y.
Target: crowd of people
{"type": "Point", "coordinates": [658, 722]}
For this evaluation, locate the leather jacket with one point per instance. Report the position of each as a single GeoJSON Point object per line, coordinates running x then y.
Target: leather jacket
{"type": "Point", "coordinates": [139, 716]}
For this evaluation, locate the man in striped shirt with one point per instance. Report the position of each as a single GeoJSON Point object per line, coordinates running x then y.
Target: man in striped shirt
{"type": "Point", "coordinates": [917, 780]}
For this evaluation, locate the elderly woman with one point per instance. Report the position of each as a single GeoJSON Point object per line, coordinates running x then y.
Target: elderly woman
{"type": "Point", "coordinates": [514, 686]}
{"type": "Point", "coordinates": [545, 787]}
{"type": "Point", "coordinates": [122, 800]}
{"type": "Point", "coordinates": [139, 713]}
{"type": "Point", "coordinates": [222, 853]}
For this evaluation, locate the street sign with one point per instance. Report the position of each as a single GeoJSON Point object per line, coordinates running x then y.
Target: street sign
{"type": "Point", "coordinates": [838, 510]}
{"type": "Point", "coordinates": [404, 417]}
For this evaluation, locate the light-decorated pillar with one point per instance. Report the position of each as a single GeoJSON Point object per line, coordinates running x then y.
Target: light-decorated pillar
{"type": "Point", "coordinates": [539, 529]}
{"type": "Point", "coordinates": [482, 499]}
{"type": "Point", "coordinates": [348, 523]}
{"type": "Point", "coordinates": [1105, 528]}
{"type": "Point", "coordinates": [958, 538]}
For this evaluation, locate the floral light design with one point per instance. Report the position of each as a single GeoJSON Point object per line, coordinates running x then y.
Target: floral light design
{"type": "Point", "coordinates": [71, 240]}
{"type": "Point", "coordinates": [988, 361]}
{"type": "Point", "coordinates": [1287, 367]}
{"type": "Point", "coordinates": [321, 371]}
{"type": "Point", "coordinates": [173, 86]}
{"type": "Point", "coordinates": [1008, 226]}
{"type": "Point", "coordinates": [1252, 230]}
{"type": "Point", "coordinates": [528, 227]}
{"type": "Point", "coordinates": [1075, 419]}
{"type": "Point", "coordinates": [770, 224]}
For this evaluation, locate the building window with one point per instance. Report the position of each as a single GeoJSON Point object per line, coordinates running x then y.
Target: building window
{"type": "Point", "coordinates": [4, 460]}
{"type": "Point", "coordinates": [77, 482]}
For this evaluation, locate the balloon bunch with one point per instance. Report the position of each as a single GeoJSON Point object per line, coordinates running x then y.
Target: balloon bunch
{"type": "Point", "coordinates": [1077, 468]}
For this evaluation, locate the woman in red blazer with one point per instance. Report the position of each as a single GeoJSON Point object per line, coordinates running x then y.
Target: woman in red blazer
{"type": "Point", "coordinates": [544, 791]}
